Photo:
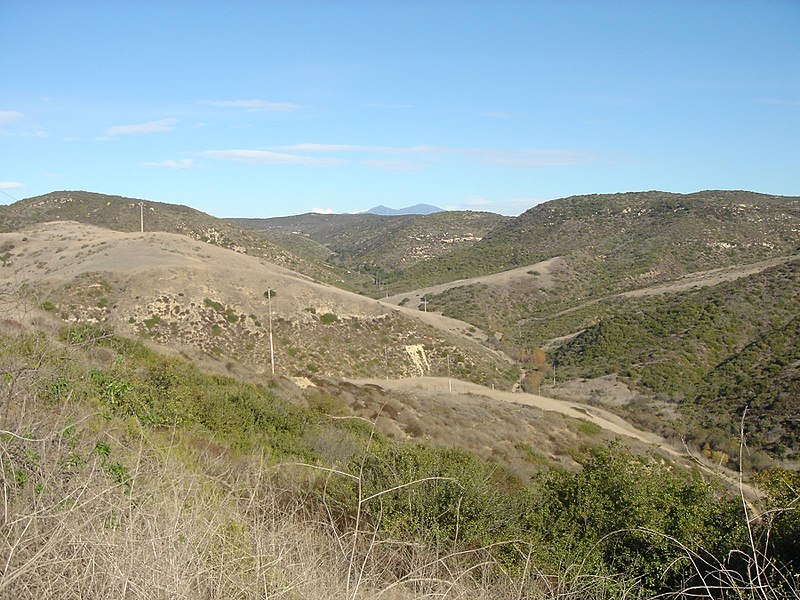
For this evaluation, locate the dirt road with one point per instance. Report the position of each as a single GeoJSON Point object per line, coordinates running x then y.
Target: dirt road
{"type": "Point", "coordinates": [600, 417]}
{"type": "Point", "coordinates": [542, 271]}
{"type": "Point", "coordinates": [604, 419]}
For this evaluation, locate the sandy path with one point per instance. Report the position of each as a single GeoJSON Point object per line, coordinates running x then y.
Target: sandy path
{"type": "Point", "coordinates": [544, 278]}
{"type": "Point", "coordinates": [602, 418]}
{"type": "Point", "coordinates": [608, 421]}
{"type": "Point", "coordinates": [690, 281]}
{"type": "Point", "coordinates": [708, 278]}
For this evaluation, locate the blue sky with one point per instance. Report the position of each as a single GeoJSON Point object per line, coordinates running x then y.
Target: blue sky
{"type": "Point", "coordinates": [274, 108]}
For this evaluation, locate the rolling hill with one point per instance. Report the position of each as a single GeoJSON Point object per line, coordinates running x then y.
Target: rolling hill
{"type": "Point", "coordinates": [378, 245]}
{"type": "Point", "coordinates": [145, 441]}
{"type": "Point", "coordinates": [417, 209]}
{"type": "Point", "coordinates": [126, 214]}
{"type": "Point", "coordinates": [209, 301]}
{"type": "Point", "coordinates": [622, 241]}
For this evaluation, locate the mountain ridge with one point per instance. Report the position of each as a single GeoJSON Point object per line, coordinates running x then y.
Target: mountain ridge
{"type": "Point", "coordinates": [416, 209]}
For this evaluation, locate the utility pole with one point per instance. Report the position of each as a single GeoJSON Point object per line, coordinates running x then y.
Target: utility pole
{"type": "Point", "coordinates": [271, 347]}
{"type": "Point", "coordinates": [141, 216]}
{"type": "Point", "coordinates": [449, 379]}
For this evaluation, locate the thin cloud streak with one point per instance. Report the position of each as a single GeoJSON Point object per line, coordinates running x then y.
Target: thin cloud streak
{"type": "Point", "coordinates": [162, 125]}
{"type": "Point", "coordinates": [266, 157]}
{"type": "Point", "coordinates": [314, 154]}
{"type": "Point", "coordinates": [534, 158]}
{"type": "Point", "coordinates": [11, 185]}
{"type": "Point", "coordinates": [314, 147]}
{"type": "Point", "coordinates": [10, 116]}
{"type": "Point", "coordinates": [183, 163]}
{"type": "Point", "coordinates": [779, 101]}
{"type": "Point", "coordinates": [393, 165]}
{"type": "Point", "coordinates": [501, 116]}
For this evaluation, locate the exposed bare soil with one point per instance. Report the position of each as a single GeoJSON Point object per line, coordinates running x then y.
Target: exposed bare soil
{"type": "Point", "coordinates": [441, 385]}
{"type": "Point", "coordinates": [437, 388]}
{"type": "Point", "coordinates": [209, 301]}
{"type": "Point", "coordinates": [541, 272]}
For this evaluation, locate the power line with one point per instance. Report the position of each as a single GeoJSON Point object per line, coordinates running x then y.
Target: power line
{"type": "Point", "coordinates": [9, 195]}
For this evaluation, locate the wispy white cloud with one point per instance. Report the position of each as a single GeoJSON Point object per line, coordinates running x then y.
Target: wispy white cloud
{"type": "Point", "coordinates": [255, 105]}
{"type": "Point", "coordinates": [267, 157]}
{"type": "Point", "coordinates": [391, 106]}
{"type": "Point", "coordinates": [10, 116]}
{"type": "Point", "coordinates": [13, 119]}
{"type": "Point", "coordinates": [11, 185]}
{"type": "Point", "coordinates": [38, 133]}
{"type": "Point", "coordinates": [314, 147]}
{"type": "Point", "coordinates": [404, 158]}
{"type": "Point", "coordinates": [162, 125]}
{"type": "Point", "coordinates": [183, 163]}
{"type": "Point", "coordinates": [323, 211]}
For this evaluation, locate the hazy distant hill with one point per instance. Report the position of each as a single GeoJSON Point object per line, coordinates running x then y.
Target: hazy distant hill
{"type": "Point", "coordinates": [417, 209]}
{"type": "Point", "coordinates": [379, 244]}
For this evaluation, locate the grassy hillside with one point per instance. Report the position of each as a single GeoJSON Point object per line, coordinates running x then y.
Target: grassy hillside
{"type": "Point", "coordinates": [126, 470]}
{"type": "Point", "coordinates": [209, 303]}
{"type": "Point", "coordinates": [124, 214]}
{"type": "Point", "coordinates": [196, 473]}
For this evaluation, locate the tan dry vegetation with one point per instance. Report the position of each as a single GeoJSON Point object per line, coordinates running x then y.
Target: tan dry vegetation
{"type": "Point", "coordinates": [461, 413]}
{"type": "Point", "coordinates": [440, 387]}
{"type": "Point", "coordinates": [539, 275]}
{"type": "Point", "coordinates": [521, 436]}
{"type": "Point", "coordinates": [186, 520]}
{"type": "Point", "coordinates": [208, 303]}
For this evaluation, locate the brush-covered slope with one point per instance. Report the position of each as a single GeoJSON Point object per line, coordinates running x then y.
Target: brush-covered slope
{"type": "Point", "coordinates": [621, 241]}
{"type": "Point", "coordinates": [715, 352]}
{"type": "Point", "coordinates": [207, 300]}
{"type": "Point", "coordinates": [605, 245]}
{"type": "Point", "coordinates": [123, 469]}
{"type": "Point", "coordinates": [125, 214]}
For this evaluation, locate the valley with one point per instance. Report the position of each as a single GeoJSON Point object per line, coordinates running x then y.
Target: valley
{"type": "Point", "coordinates": [580, 359]}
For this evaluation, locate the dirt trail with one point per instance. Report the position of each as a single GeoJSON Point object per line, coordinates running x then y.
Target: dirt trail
{"type": "Point", "coordinates": [608, 421]}
{"type": "Point", "coordinates": [546, 268]}
{"type": "Point", "coordinates": [690, 281]}
{"type": "Point", "coordinates": [542, 271]}
{"type": "Point", "coordinates": [708, 278]}
{"type": "Point", "coordinates": [603, 418]}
